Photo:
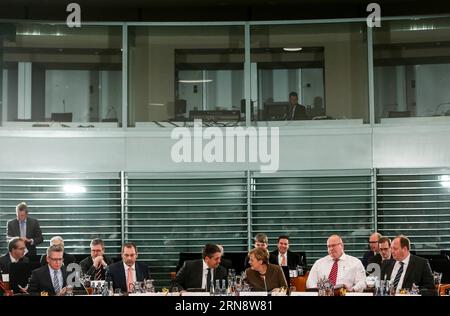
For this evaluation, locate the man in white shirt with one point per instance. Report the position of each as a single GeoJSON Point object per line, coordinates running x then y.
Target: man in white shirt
{"type": "Point", "coordinates": [338, 267]}
{"type": "Point", "coordinates": [407, 269]}
{"type": "Point", "coordinates": [16, 253]}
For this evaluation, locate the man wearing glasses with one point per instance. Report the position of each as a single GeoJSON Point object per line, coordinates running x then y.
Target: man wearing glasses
{"type": "Point", "coordinates": [51, 278]}
{"type": "Point", "coordinates": [385, 252]}
{"type": "Point", "coordinates": [16, 253]}
{"type": "Point", "coordinates": [374, 248]}
{"type": "Point", "coordinates": [95, 265]}
{"type": "Point", "coordinates": [338, 267]}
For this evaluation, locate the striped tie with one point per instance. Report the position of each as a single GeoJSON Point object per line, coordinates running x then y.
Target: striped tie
{"type": "Point", "coordinates": [398, 275]}
{"type": "Point", "coordinates": [56, 284]}
{"type": "Point", "coordinates": [333, 273]}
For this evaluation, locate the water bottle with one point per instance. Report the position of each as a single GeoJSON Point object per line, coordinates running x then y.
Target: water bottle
{"type": "Point", "coordinates": [105, 289]}
{"type": "Point", "coordinates": [299, 270]}
{"type": "Point", "coordinates": [224, 287]}
{"type": "Point", "coordinates": [217, 290]}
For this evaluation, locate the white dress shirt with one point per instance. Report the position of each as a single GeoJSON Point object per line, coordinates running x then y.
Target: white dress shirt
{"type": "Point", "coordinates": [395, 270]}
{"type": "Point", "coordinates": [133, 271]}
{"type": "Point", "coordinates": [13, 260]}
{"type": "Point", "coordinates": [350, 272]}
{"type": "Point", "coordinates": [205, 274]}
{"type": "Point", "coordinates": [280, 258]}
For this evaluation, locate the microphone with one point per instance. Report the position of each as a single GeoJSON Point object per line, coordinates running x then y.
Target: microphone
{"type": "Point", "coordinates": [265, 284]}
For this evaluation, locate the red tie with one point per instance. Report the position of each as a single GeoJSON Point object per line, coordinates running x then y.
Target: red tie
{"type": "Point", "coordinates": [334, 271]}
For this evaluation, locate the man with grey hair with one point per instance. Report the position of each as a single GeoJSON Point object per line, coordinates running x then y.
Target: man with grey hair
{"type": "Point", "coordinates": [50, 279]}
{"type": "Point", "coordinates": [339, 268]}
{"type": "Point", "coordinates": [25, 227]}
{"type": "Point", "coordinates": [59, 241]}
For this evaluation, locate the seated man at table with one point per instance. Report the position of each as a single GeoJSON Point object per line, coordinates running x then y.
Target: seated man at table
{"type": "Point", "coordinates": [125, 273]}
{"type": "Point", "coordinates": [407, 268]}
{"type": "Point", "coordinates": [201, 273]}
{"type": "Point", "coordinates": [384, 255]}
{"type": "Point", "coordinates": [51, 278]}
{"type": "Point", "coordinates": [339, 268]}
{"type": "Point", "coordinates": [283, 256]}
{"type": "Point", "coordinates": [95, 265]}
{"type": "Point", "coordinates": [59, 241]}
{"type": "Point", "coordinates": [16, 253]}
{"type": "Point", "coordinates": [373, 248]}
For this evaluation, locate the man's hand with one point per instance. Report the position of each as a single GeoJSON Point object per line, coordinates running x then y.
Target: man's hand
{"type": "Point", "coordinates": [62, 292]}
{"type": "Point", "coordinates": [99, 261]}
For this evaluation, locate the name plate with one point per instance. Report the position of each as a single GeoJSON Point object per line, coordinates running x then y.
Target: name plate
{"type": "Point", "coordinates": [5, 277]}
{"type": "Point", "coordinates": [195, 294]}
{"type": "Point", "coordinates": [149, 294]}
{"type": "Point", "coordinates": [253, 293]}
{"type": "Point", "coordinates": [304, 293]}
{"type": "Point", "coordinates": [358, 294]}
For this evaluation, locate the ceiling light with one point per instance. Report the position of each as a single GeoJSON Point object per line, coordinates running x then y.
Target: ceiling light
{"type": "Point", "coordinates": [73, 189]}
{"type": "Point", "coordinates": [292, 49]}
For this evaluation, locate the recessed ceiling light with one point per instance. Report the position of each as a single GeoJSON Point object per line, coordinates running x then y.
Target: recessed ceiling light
{"type": "Point", "coordinates": [292, 49]}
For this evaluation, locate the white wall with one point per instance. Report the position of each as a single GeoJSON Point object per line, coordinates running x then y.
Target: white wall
{"type": "Point", "coordinates": [306, 148]}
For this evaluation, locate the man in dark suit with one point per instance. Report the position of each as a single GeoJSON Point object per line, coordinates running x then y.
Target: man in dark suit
{"type": "Point", "coordinates": [68, 258]}
{"type": "Point", "coordinates": [16, 253]}
{"type": "Point", "coordinates": [202, 273]}
{"type": "Point", "coordinates": [296, 111]}
{"type": "Point", "coordinates": [384, 246]}
{"type": "Point", "coordinates": [25, 227]}
{"type": "Point", "coordinates": [123, 274]}
{"type": "Point", "coordinates": [52, 278]}
{"type": "Point", "coordinates": [95, 265]}
{"type": "Point", "coordinates": [407, 269]}
{"type": "Point", "coordinates": [374, 248]}
{"type": "Point", "coordinates": [283, 256]}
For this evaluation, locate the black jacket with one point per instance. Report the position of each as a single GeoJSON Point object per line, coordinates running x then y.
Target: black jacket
{"type": "Point", "coordinates": [33, 231]}
{"type": "Point", "coordinates": [116, 273]}
{"type": "Point", "coordinates": [88, 268]}
{"type": "Point", "coordinates": [5, 261]}
{"type": "Point", "coordinates": [42, 281]}
{"type": "Point", "coordinates": [293, 259]}
{"type": "Point", "coordinates": [190, 275]}
{"type": "Point", "coordinates": [418, 272]}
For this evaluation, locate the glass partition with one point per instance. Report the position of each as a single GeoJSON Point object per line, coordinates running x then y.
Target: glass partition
{"type": "Point", "coordinates": [412, 68]}
{"type": "Point", "coordinates": [320, 67]}
{"type": "Point", "coordinates": [183, 73]}
{"type": "Point", "coordinates": [57, 75]}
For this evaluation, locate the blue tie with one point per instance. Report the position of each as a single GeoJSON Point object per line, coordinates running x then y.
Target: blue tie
{"type": "Point", "coordinates": [56, 284]}
{"type": "Point", "coordinates": [399, 275]}
{"type": "Point", "coordinates": [23, 233]}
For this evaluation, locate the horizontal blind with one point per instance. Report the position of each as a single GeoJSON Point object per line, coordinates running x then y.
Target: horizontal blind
{"type": "Point", "coordinates": [77, 207]}
{"type": "Point", "coordinates": [166, 214]}
{"type": "Point", "coordinates": [416, 203]}
{"type": "Point", "coordinates": [310, 206]}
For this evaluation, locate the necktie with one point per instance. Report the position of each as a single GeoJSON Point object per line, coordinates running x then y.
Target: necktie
{"type": "Point", "coordinates": [208, 280]}
{"type": "Point", "coordinates": [23, 233]}
{"type": "Point", "coordinates": [398, 275]}
{"type": "Point", "coordinates": [333, 273]}
{"type": "Point", "coordinates": [98, 273]}
{"type": "Point", "coordinates": [56, 284]}
{"type": "Point", "coordinates": [283, 260]}
{"type": "Point", "coordinates": [130, 280]}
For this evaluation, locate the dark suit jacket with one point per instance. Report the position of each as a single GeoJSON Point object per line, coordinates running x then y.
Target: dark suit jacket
{"type": "Point", "coordinates": [115, 273]}
{"type": "Point", "coordinates": [5, 261]}
{"type": "Point", "coordinates": [33, 231]}
{"type": "Point", "coordinates": [190, 275]}
{"type": "Point", "coordinates": [68, 259]}
{"type": "Point", "coordinates": [293, 260]}
{"type": "Point", "coordinates": [367, 256]}
{"type": "Point", "coordinates": [88, 268]}
{"type": "Point", "coordinates": [41, 281]}
{"type": "Point", "coordinates": [418, 272]}
{"type": "Point", "coordinates": [299, 114]}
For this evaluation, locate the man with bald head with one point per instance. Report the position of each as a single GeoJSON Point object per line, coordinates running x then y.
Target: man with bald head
{"type": "Point", "coordinates": [407, 268]}
{"type": "Point", "coordinates": [374, 248]}
{"type": "Point", "coordinates": [338, 267]}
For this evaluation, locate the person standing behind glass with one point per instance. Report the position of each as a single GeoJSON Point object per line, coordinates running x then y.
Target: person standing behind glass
{"type": "Point", "coordinates": [296, 110]}
{"type": "Point", "coordinates": [25, 227]}
{"type": "Point", "coordinates": [262, 275]}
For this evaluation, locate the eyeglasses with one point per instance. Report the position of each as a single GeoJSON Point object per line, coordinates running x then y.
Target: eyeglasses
{"type": "Point", "coordinates": [56, 259]}
{"type": "Point", "coordinates": [333, 245]}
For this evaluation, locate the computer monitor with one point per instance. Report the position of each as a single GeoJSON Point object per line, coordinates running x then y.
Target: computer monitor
{"type": "Point", "coordinates": [61, 117]}
{"type": "Point", "coordinates": [276, 111]}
